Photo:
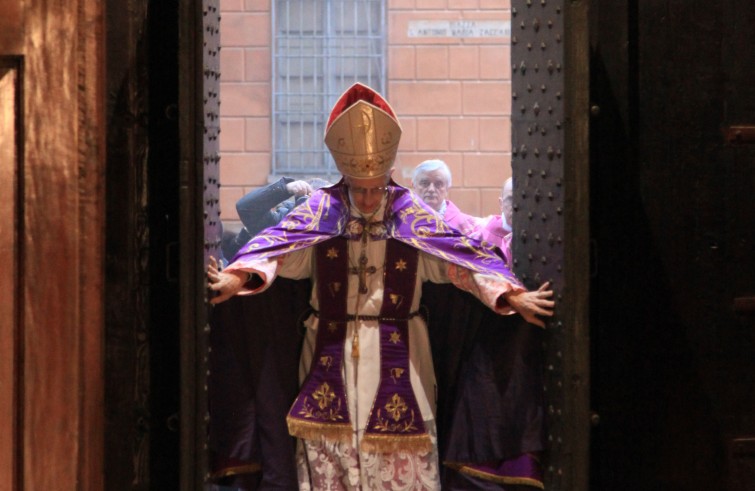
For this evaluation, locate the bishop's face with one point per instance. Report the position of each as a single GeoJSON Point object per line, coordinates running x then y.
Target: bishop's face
{"type": "Point", "coordinates": [432, 188]}
{"type": "Point", "coordinates": [366, 194]}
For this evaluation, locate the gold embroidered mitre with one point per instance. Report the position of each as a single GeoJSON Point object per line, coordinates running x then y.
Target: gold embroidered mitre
{"type": "Point", "coordinates": [362, 133]}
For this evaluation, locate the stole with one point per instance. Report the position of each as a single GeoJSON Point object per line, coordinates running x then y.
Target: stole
{"type": "Point", "coordinates": [321, 409]}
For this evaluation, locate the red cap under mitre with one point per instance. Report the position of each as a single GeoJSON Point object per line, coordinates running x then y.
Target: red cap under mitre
{"type": "Point", "coordinates": [362, 133]}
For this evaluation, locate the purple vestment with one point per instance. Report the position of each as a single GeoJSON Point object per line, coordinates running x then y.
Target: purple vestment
{"type": "Point", "coordinates": [469, 433]}
{"type": "Point", "coordinates": [407, 219]}
{"type": "Point", "coordinates": [491, 230]}
{"type": "Point", "coordinates": [464, 223]}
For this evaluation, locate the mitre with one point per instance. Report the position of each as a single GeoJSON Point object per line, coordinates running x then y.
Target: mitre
{"type": "Point", "coordinates": [362, 133]}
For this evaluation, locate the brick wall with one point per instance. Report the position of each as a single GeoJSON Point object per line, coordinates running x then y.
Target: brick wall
{"type": "Point", "coordinates": [452, 95]}
{"type": "Point", "coordinates": [245, 95]}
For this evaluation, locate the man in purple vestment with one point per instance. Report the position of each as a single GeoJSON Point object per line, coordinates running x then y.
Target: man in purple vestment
{"type": "Point", "coordinates": [496, 229]}
{"type": "Point", "coordinates": [365, 413]}
{"type": "Point", "coordinates": [431, 180]}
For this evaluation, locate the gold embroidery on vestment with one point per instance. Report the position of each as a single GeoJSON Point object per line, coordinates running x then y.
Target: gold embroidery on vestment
{"type": "Point", "coordinates": [334, 287]}
{"type": "Point", "coordinates": [312, 430]}
{"type": "Point", "coordinates": [396, 443]}
{"type": "Point", "coordinates": [326, 361]}
{"type": "Point", "coordinates": [323, 395]}
{"type": "Point", "coordinates": [239, 469]}
{"type": "Point", "coordinates": [327, 413]}
{"type": "Point", "coordinates": [471, 471]}
{"type": "Point", "coordinates": [397, 407]}
{"type": "Point", "coordinates": [329, 405]}
{"type": "Point", "coordinates": [396, 299]}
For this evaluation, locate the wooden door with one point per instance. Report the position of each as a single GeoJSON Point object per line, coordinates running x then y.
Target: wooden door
{"type": "Point", "coordinates": [549, 58]}
{"type": "Point", "coordinates": [10, 98]}
{"type": "Point", "coordinates": [51, 163]}
{"type": "Point", "coordinates": [673, 220]}
{"type": "Point", "coordinates": [156, 355]}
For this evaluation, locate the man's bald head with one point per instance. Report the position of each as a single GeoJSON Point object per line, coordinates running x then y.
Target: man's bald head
{"type": "Point", "coordinates": [507, 203]}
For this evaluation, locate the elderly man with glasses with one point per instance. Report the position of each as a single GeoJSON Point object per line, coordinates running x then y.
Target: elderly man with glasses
{"type": "Point", "coordinates": [431, 180]}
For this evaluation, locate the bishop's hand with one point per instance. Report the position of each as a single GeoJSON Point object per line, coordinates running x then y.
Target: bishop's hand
{"type": "Point", "coordinates": [226, 284]}
{"type": "Point", "coordinates": [532, 304]}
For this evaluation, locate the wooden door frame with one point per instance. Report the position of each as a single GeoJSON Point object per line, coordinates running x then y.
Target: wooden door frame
{"type": "Point", "coordinates": [550, 167]}
{"type": "Point", "coordinates": [11, 232]}
{"type": "Point", "coordinates": [572, 451]}
{"type": "Point", "coordinates": [57, 244]}
{"type": "Point", "coordinates": [194, 18]}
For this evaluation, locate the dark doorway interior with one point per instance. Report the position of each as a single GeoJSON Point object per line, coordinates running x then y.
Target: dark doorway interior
{"type": "Point", "coordinates": [673, 209]}
{"type": "Point", "coordinates": [163, 172]}
{"type": "Point", "coordinates": [142, 296]}
{"type": "Point", "coordinates": [672, 219]}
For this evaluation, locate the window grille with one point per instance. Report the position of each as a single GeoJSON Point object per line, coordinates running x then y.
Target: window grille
{"type": "Point", "coordinates": [320, 48]}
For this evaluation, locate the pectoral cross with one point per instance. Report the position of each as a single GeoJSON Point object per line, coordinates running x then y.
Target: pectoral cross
{"type": "Point", "coordinates": [362, 271]}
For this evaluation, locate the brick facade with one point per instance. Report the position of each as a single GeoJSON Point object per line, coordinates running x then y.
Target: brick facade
{"type": "Point", "coordinates": [452, 95]}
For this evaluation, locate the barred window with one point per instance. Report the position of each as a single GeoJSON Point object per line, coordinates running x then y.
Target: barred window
{"type": "Point", "coordinates": [320, 48]}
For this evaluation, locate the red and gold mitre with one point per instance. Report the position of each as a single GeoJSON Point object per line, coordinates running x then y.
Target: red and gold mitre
{"type": "Point", "coordinates": [362, 133]}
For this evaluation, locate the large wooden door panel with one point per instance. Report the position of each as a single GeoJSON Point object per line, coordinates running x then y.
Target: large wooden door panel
{"type": "Point", "coordinates": [673, 207]}
{"type": "Point", "coordinates": [51, 161]}
{"type": "Point", "coordinates": [9, 320]}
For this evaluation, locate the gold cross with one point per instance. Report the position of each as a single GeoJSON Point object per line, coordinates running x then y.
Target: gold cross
{"type": "Point", "coordinates": [362, 271]}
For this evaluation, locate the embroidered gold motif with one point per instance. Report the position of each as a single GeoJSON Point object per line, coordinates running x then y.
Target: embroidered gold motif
{"type": "Point", "coordinates": [332, 326]}
{"type": "Point", "coordinates": [396, 407]}
{"type": "Point", "coordinates": [329, 405]}
{"type": "Point", "coordinates": [396, 373]}
{"type": "Point", "coordinates": [397, 410]}
{"type": "Point", "coordinates": [334, 287]}
{"type": "Point", "coordinates": [332, 253]}
{"type": "Point", "coordinates": [303, 219]}
{"type": "Point", "coordinates": [396, 299]}
{"type": "Point", "coordinates": [400, 265]}
{"type": "Point", "coordinates": [482, 255]}
{"type": "Point", "coordinates": [421, 223]}
{"type": "Point", "coordinates": [326, 361]}
{"type": "Point", "coordinates": [355, 227]}
{"type": "Point", "coordinates": [395, 337]}
{"type": "Point", "coordinates": [306, 215]}
{"type": "Point", "coordinates": [271, 241]}
{"type": "Point", "coordinates": [328, 414]}
{"type": "Point", "coordinates": [378, 229]}
{"type": "Point", "coordinates": [324, 395]}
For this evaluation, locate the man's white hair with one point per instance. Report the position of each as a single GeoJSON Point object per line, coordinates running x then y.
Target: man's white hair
{"type": "Point", "coordinates": [430, 166]}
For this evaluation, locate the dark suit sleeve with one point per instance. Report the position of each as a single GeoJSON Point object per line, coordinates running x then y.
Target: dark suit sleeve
{"type": "Point", "coordinates": [256, 208]}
